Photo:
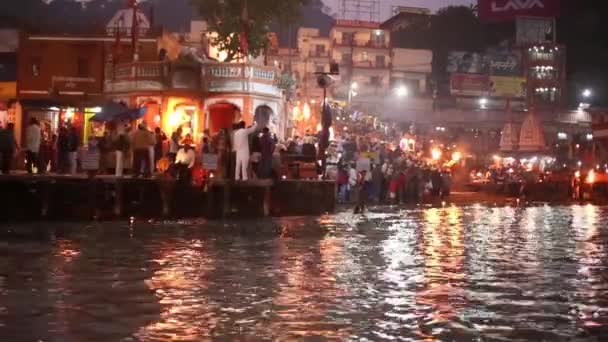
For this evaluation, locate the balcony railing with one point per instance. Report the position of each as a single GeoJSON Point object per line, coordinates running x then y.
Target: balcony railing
{"type": "Point", "coordinates": [140, 70]}
{"type": "Point", "coordinates": [319, 54]}
{"type": "Point", "coordinates": [368, 44]}
{"type": "Point", "coordinates": [370, 64]}
{"type": "Point", "coordinates": [211, 77]}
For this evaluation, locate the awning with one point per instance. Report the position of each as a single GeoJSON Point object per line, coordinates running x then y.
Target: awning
{"type": "Point", "coordinates": [112, 111]}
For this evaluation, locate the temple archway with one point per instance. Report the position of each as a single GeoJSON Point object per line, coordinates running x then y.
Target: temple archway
{"type": "Point", "coordinates": [222, 115]}
{"type": "Point", "coordinates": [263, 116]}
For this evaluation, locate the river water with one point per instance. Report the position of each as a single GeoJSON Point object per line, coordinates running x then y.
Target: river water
{"type": "Point", "coordinates": [472, 273]}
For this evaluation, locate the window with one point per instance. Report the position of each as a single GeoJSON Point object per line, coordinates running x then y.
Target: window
{"type": "Point", "coordinates": [380, 61]}
{"type": "Point", "coordinates": [365, 56]}
{"type": "Point", "coordinates": [348, 38]}
{"type": "Point", "coordinates": [347, 58]}
{"type": "Point", "coordinates": [320, 49]}
{"type": "Point", "coordinates": [35, 66]}
{"type": "Point", "coordinates": [319, 68]}
{"type": "Point", "coordinates": [375, 80]}
{"type": "Point", "coordinates": [378, 38]}
{"type": "Point", "coordinates": [82, 66]}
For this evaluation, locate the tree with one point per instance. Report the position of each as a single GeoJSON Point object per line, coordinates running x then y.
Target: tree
{"type": "Point", "coordinates": [454, 28]}
{"type": "Point", "coordinates": [226, 18]}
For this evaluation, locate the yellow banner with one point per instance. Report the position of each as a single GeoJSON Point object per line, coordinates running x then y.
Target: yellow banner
{"type": "Point", "coordinates": [509, 87]}
{"type": "Point", "coordinates": [8, 90]}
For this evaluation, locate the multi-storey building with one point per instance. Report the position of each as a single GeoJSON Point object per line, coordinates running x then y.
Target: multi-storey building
{"type": "Point", "coordinates": [61, 77]}
{"type": "Point", "coordinates": [372, 71]}
{"type": "Point", "coordinates": [69, 77]}
{"type": "Point", "coordinates": [363, 51]}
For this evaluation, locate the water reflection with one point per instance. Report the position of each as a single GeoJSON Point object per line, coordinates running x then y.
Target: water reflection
{"type": "Point", "coordinates": [453, 273]}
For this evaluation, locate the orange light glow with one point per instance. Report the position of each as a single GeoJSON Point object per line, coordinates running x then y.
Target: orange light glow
{"type": "Point", "coordinates": [306, 111]}
{"type": "Point", "coordinates": [591, 177]}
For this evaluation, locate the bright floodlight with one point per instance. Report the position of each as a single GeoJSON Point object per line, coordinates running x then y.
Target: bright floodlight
{"type": "Point", "coordinates": [483, 101]}
{"type": "Point", "coordinates": [402, 91]}
{"type": "Point", "coordinates": [354, 85]}
{"type": "Point", "coordinates": [436, 153]}
{"type": "Point", "coordinates": [587, 93]}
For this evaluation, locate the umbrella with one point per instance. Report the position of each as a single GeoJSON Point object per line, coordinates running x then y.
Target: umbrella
{"type": "Point", "coordinates": [113, 111]}
{"type": "Point", "coordinates": [132, 114]}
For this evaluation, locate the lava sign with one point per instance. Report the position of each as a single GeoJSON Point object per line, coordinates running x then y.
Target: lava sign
{"type": "Point", "coordinates": [508, 10]}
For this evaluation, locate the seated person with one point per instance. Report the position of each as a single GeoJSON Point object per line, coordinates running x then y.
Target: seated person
{"type": "Point", "coordinates": [184, 161]}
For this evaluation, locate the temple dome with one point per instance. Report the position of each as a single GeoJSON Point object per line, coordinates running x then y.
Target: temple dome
{"type": "Point", "coordinates": [509, 138]}
{"type": "Point", "coordinates": [532, 136]}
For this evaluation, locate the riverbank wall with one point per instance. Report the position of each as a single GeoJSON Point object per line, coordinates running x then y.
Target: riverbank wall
{"type": "Point", "coordinates": [32, 198]}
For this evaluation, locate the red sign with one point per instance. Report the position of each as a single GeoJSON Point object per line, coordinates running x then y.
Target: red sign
{"type": "Point", "coordinates": [469, 84]}
{"type": "Point", "coordinates": [507, 10]}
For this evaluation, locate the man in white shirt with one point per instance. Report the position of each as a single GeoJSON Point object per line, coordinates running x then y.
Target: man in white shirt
{"type": "Point", "coordinates": [32, 145]}
{"type": "Point", "coordinates": [240, 144]}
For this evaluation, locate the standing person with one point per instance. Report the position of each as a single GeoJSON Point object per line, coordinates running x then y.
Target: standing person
{"type": "Point", "coordinates": [160, 138]}
{"type": "Point", "coordinates": [377, 179]}
{"type": "Point", "coordinates": [222, 147]}
{"type": "Point", "coordinates": [142, 141]}
{"type": "Point", "coordinates": [352, 181]}
{"type": "Point", "coordinates": [436, 181]}
{"type": "Point", "coordinates": [176, 136]}
{"type": "Point", "coordinates": [267, 146]}
{"type": "Point", "coordinates": [91, 157]}
{"type": "Point", "coordinates": [8, 146]}
{"type": "Point", "coordinates": [32, 145]}
{"type": "Point", "coordinates": [342, 181]}
{"type": "Point", "coordinates": [121, 144]}
{"type": "Point", "coordinates": [363, 182]}
{"type": "Point", "coordinates": [241, 147]}
{"type": "Point", "coordinates": [103, 144]}
{"type": "Point", "coordinates": [256, 155]}
{"type": "Point", "coordinates": [73, 145]}
{"type": "Point", "coordinates": [205, 146]}
{"type": "Point", "coordinates": [62, 150]}
{"type": "Point", "coordinates": [44, 156]}
{"type": "Point", "coordinates": [54, 153]}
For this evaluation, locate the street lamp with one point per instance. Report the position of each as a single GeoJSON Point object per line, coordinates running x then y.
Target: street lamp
{"type": "Point", "coordinates": [587, 93]}
{"type": "Point", "coordinates": [402, 91]}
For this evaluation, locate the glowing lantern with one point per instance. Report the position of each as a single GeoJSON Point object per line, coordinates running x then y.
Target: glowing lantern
{"type": "Point", "coordinates": [306, 111]}
{"type": "Point", "coordinates": [591, 177]}
{"type": "Point", "coordinates": [163, 164]}
{"type": "Point", "coordinates": [436, 153]}
{"type": "Point", "coordinates": [295, 113]}
{"type": "Point", "coordinates": [175, 118]}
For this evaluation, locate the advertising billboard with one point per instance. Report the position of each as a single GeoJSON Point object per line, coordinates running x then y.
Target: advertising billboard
{"type": "Point", "coordinates": [535, 30]}
{"type": "Point", "coordinates": [467, 63]}
{"type": "Point", "coordinates": [506, 63]}
{"type": "Point", "coordinates": [507, 87]}
{"type": "Point", "coordinates": [469, 84]}
{"type": "Point", "coordinates": [508, 10]}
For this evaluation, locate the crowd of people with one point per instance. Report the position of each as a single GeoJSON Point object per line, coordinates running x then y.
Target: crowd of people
{"type": "Point", "coordinates": [43, 151]}
{"type": "Point", "coordinates": [365, 166]}
{"type": "Point", "coordinates": [388, 176]}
